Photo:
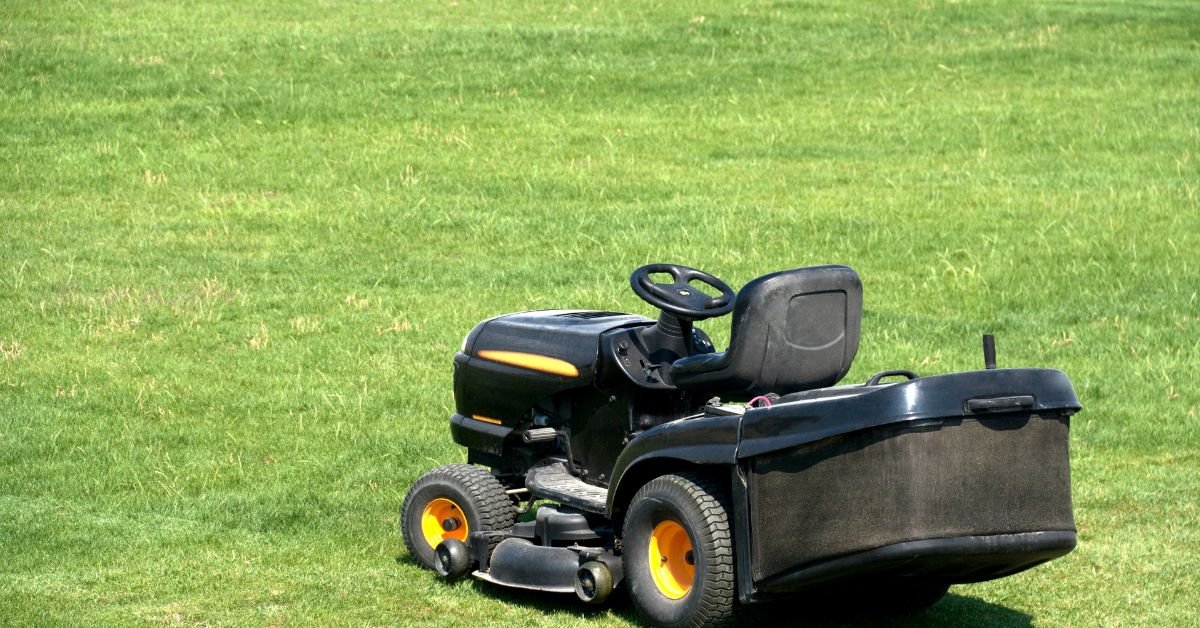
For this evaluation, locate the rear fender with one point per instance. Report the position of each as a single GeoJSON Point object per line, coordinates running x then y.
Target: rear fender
{"type": "Point", "coordinates": [670, 447]}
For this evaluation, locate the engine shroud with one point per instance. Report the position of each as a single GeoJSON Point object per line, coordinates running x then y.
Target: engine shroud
{"type": "Point", "coordinates": [498, 374]}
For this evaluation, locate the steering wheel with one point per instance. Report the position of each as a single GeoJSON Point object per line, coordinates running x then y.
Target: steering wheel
{"type": "Point", "coordinates": [681, 298]}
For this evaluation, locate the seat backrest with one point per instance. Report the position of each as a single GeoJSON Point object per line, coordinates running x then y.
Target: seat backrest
{"type": "Point", "coordinates": [792, 330]}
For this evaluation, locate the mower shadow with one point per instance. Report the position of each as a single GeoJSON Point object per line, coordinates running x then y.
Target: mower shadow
{"type": "Point", "coordinates": [953, 610]}
{"type": "Point", "coordinates": [559, 603]}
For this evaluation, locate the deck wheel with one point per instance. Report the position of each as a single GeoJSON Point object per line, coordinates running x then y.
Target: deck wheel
{"type": "Point", "coordinates": [593, 582]}
{"type": "Point", "coordinates": [449, 503]}
{"type": "Point", "coordinates": [453, 559]}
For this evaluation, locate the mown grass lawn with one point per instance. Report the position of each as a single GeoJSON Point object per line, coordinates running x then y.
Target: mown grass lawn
{"type": "Point", "coordinates": [241, 242]}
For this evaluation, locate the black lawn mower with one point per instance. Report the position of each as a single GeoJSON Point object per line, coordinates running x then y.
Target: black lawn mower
{"type": "Point", "coordinates": [703, 481]}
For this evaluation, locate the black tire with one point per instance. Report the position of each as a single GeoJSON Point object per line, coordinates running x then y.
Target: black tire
{"type": "Point", "coordinates": [466, 495]}
{"type": "Point", "coordinates": [701, 508]}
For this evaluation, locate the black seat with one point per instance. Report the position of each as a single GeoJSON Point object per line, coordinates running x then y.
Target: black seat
{"type": "Point", "coordinates": [792, 330]}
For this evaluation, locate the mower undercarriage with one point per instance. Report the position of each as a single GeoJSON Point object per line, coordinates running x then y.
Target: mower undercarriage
{"type": "Point", "coordinates": [562, 550]}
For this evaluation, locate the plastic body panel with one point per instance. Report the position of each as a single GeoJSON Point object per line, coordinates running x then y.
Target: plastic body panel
{"type": "Point", "coordinates": [958, 560]}
{"type": "Point", "coordinates": [982, 477]}
{"type": "Point", "coordinates": [507, 392]}
{"type": "Point", "coordinates": [596, 406]}
{"type": "Point", "coordinates": [520, 564]}
{"type": "Point", "coordinates": [710, 440]}
{"type": "Point", "coordinates": [903, 433]}
{"type": "Point", "coordinates": [811, 416]}
{"type": "Point", "coordinates": [905, 480]}
{"type": "Point", "coordinates": [478, 435]}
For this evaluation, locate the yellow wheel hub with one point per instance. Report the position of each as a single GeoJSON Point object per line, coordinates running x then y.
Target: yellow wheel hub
{"type": "Point", "coordinates": [442, 519]}
{"type": "Point", "coordinates": [672, 562]}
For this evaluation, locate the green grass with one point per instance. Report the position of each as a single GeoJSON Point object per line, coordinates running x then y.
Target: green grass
{"type": "Point", "coordinates": [241, 243]}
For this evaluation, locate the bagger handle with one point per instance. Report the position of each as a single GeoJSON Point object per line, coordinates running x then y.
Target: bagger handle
{"type": "Point", "coordinates": [882, 374]}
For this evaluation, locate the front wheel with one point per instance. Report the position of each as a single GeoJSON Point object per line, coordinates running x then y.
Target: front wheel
{"type": "Point", "coordinates": [448, 503]}
{"type": "Point", "coordinates": [679, 552]}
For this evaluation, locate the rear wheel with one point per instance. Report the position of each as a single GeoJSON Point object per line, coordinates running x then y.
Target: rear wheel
{"type": "Point", "coordinates": [679, 552]}
{"type": "Point", "coordinates": [451, 502]}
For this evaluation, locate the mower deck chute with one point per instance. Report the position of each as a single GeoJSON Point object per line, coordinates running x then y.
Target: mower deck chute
{"type": "Point", "coordinates": [698, 506]}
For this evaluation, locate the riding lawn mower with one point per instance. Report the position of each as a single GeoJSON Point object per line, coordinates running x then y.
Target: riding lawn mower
{"type": "Point", "coordinates": [609, 450]}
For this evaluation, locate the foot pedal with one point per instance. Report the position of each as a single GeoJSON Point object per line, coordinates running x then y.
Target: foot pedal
{"type": "Point", "coordinates": [553, 481]}
{"type": "Point", "coordinates": [539, 435]}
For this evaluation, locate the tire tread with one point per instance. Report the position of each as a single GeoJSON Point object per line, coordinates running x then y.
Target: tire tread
{"type": "Point", "coordinates": [492, 506]}
{"type": "Point", "coordinates": [717, 605]}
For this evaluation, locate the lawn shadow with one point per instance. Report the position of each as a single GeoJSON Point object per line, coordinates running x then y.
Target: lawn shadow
{"type": "Point", "coordinates": [953, 610]}
{"type": "Point", "coordinates": [559, 603]}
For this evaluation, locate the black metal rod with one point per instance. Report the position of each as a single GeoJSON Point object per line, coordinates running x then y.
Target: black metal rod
{"type": "Point", "coordinates": [989, 351]}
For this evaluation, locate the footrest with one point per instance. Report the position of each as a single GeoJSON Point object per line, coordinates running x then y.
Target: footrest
{"type": "Point", "coordinates": [552, 481]}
